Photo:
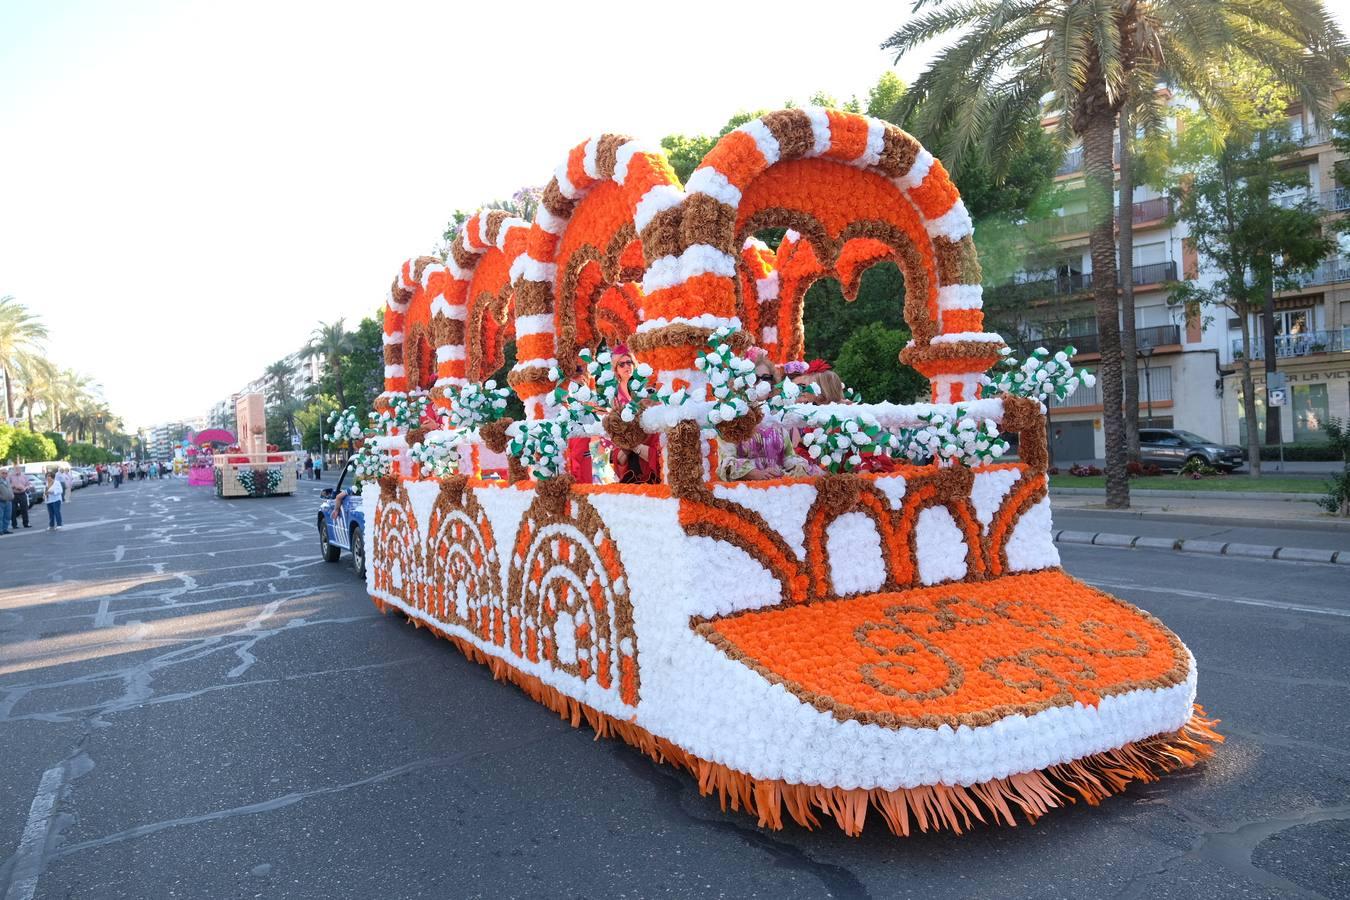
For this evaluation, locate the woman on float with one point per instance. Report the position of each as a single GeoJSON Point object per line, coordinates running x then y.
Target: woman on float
{"type": "Point", "coordinates": [641, 465]}
{"type": "Point", "coordinates": [829, 386]}
{"type": "Point", "coordinates": [771, 452]}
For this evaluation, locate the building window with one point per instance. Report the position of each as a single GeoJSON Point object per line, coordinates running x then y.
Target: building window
{"type": "Point", "coordinates": [1288, 322]}
{"type": "Point", "coordinates": [1311, 409]}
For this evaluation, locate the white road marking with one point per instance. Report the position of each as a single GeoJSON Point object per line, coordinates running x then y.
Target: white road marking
{"type": "Point", "coordinates": [33, 845]}
{"type": "Point", "coordinates": [1201, 595]}
{"type": "Point", "coordinates": [102, 619]}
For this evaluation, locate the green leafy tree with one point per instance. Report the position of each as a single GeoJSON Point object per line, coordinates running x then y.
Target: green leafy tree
{"type": "Point", "coordinates": [1014, 57]}
{"type": "Point", "coordinates": [884, 96]}
{"type": "Point", "coordinates": [1224, 196]}
{"type": "Point", "coordinates": [864, 364]}
{"type": "Point", "coordinates": [26, 446]}
{"type": "Point", "coordinates": [82, 454]}
{"type": "Point", "coordinates": [59, 442]}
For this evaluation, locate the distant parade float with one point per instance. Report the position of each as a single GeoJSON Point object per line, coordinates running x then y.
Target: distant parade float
{"type": "Point", "coordinates": [249, 467]}
{"type": "Point", "coordinates": [889, 634]}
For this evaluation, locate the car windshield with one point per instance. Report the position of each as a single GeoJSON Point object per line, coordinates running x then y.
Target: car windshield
{"type": "Point", "coordinates": [1191, 437]}
{"type": "Point", "coordinates": [346, 470]}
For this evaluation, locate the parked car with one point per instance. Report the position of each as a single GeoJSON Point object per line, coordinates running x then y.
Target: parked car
{"type": "Point", "coordinates": [343, 527]}
{"type": "Point", "coordinates": [1172, 448]}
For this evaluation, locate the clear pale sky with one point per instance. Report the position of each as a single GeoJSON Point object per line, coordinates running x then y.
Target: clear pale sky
{"type": "Point", "coordinates": [187, 188]}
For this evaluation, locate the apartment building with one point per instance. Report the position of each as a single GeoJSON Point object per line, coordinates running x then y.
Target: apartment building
{"type": "Point", "coordinates": [161, 439]}
{"type": "Point", "coordinates": [1187, 376]}
{"type": "Point", "coordinates": [307, 371]}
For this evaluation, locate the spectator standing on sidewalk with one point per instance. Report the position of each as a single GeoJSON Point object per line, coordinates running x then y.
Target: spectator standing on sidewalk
{"type": "Point", "coordinates": [56, 492]}
{"type": "Point", "coordinates": [67, 479]}
{"type": "Point", "coordinates": [19, 482]}
{"type": "Point", "coordinates": [6, 502]}
{"type": "Point", "coordinates": [309, 468]}
{"type": "Point", "coordinates": [318, 468]}
{"type": "Point", "coordinates": [117, 475]}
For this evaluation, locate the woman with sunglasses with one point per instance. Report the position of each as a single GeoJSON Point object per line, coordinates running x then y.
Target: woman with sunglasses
{"type": "Point", "coordinates": [641, 465]}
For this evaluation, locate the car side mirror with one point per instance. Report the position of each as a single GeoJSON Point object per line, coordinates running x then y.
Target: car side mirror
{"type": "Point", "coordinates": [326, 493]}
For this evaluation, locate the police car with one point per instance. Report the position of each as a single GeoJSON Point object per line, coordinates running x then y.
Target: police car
{"type": "Point", "coordinates": [342, 525]}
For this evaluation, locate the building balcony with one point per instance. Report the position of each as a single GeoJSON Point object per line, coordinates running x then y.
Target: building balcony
{"type": "Point", "coordinates": [1085, 344]}
{"type": "Point", "coordinates": [1079, 282]}
{"type": "Point", "coordinates": [1152, 210]}
{"type": "Point", "coordinates": [1294, 345]}
{"type": "Point", "coordinates": [1329, 271]}
{"type": "Point", "coordinates": [1081, 222]}
{"type": "Point", "coordinates": [1073, 161]}
{"type": "Point", "coordinates": [1336, 200]}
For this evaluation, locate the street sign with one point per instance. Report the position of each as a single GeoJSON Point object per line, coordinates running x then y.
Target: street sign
{"type": "Point", "coordinates": [1276, 381]}
{"type": "Point", "coordinates": [1277, 397]}
{"type": "Point", "coordinates": [295, 441]}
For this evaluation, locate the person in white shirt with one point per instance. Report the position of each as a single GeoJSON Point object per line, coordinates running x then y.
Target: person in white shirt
{"type": "Point", "coordinates": [56, 492]}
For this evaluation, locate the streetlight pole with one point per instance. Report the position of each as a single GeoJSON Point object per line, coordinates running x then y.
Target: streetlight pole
{"type": "Point", "coordinates": [1146, 351]}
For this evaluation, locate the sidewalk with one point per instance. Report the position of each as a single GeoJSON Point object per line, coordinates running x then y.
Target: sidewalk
{"type": "Point", "coordinates": [1221, 524]}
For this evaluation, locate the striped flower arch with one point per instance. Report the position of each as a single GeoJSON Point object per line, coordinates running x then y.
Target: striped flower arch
{"type": "Point", "coordinates": [854, 191]}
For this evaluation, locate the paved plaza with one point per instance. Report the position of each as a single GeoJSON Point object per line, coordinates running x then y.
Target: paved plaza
{"type": "Point", "coordinates": [193, 704]}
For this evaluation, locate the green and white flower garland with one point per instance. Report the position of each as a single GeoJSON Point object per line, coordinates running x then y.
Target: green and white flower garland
{"type": "Point", "coordinates": [438, 452]}
{"type": "Point", "coordinates": [405, 412]}
{"type": "Point", "coordinates": [731, 380]}
{"type": "Point", "coordinates": [540, 444]}
{"type": "Point", "coordinates": [248, 479]}
{"type": "Point", "coordinates": [1040, 376]}
{"type": "Point", "coordinates": [476, 404]}
{"type": "Point", "coordinates": [345, 426]}
{"type": "Point", "coordinates": [838, 444]}
{"type": "Point", "coordinates": [958, 437]}
{"type": "Point", "coordinates": [369, 462]}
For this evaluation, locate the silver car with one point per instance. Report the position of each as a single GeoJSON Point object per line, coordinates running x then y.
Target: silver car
{"type": "Point", "coordinates": [1172, 448]}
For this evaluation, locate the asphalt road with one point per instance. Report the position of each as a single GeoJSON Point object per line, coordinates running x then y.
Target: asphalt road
{"type": "Point", "coordinates": [193, 705]}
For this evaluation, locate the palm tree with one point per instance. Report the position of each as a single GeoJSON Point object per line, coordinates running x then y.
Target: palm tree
{"type": "Point", "coordinates": [330, 341]}
{"type": "Point", "coordinates": [65, 395]}
{"type": "Point", "coordinates": [35, 374]}
{"type": "Point", "coordinates": [280, 376]}
{"type": "Point", "coordinates": [1082, 58]}
{"type": "Point", "coordinates": [21, 333]}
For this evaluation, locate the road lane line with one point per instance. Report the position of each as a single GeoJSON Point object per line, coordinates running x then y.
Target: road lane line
{"type": "Point", "coordinates": [33, 845]}
{"type": "Point", "coordinates": [1201, 595]}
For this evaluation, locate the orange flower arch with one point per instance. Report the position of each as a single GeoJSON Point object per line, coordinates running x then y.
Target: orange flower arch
{"type": "Point", "coordinates": [857, 191]}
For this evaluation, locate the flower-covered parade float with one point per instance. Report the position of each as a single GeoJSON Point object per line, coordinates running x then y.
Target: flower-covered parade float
{"type": "Point", "coordinates": [253, 467]}
{"type": "Point", "coordinates": [875, 627]}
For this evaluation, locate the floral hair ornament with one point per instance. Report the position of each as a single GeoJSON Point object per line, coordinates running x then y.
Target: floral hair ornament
{"type": "Point", "coordinates": [817, 365]}
{"type": "Point", "coordinates": [795, 367]}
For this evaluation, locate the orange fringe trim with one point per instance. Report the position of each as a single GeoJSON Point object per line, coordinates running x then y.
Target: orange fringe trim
{"type": "Point", "coordinates": [928, 807]}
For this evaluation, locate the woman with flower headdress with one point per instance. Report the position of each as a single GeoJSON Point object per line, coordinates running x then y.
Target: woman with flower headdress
{"type": "Point", "coordinates": [829, 387]}
{"type": "Point", "coordinates": [641, 465]}
{"type": "Point", "coordinates": [771, 452]}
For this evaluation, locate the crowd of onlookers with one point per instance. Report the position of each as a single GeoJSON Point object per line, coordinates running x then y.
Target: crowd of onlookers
{"type": "Point", "coordinates": [52, 486]}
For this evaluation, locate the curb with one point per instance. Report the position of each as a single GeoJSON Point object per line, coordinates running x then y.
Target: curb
{"type": "Point", "coordinates": [1308, 497]}
{"type": "Point", "coordinates": [1209, 548]}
